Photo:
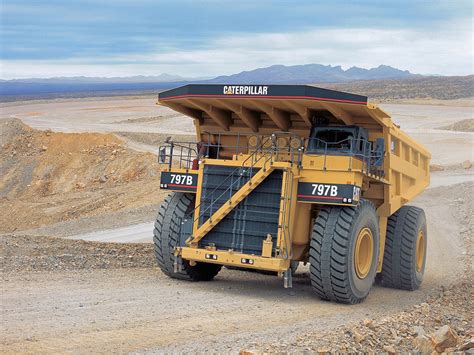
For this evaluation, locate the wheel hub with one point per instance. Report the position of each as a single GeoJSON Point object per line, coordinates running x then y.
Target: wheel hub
{"type": "Point", "coordinates": [364, 252]}
{"type": "Point", "coordinates": [420, 251]}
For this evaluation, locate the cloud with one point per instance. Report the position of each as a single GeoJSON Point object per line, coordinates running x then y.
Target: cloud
{"type": "Point", "coordinates": [447, 50]}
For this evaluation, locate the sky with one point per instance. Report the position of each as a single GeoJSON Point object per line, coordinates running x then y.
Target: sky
{"type": "Point", "coordinates": [109, 38]}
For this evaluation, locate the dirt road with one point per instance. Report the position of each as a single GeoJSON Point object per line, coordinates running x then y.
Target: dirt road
{"type": "Point", "coordinates": [136, 233]}
{"type": "Point", "coordinates": [141, 309]}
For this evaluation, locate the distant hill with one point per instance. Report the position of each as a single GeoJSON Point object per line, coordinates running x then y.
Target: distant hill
{"type": "Point", "coordinates": [162, 78]}
{"type": "Point", "coordinates": [430, 87]}
{"type": "Point", "coordinates": [310, 73]}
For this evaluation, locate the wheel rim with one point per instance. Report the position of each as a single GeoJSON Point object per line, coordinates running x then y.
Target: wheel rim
{"type": "Point", "coordinates": [420, 250]}
{"type": "Point", "coordinates": [364, 252]}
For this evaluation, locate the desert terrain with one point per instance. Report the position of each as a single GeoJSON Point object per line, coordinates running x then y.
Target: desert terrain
{"type": "Point", "coordinates": [79, 183]}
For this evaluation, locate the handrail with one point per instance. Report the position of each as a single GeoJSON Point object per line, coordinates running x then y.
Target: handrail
{"type": "Point", "coordinates": [367, 154]}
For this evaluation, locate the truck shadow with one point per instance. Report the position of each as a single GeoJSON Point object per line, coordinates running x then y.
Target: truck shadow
{"type": "Point", "coordinates": [237, 283]}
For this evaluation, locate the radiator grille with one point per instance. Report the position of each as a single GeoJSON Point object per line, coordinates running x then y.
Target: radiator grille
{"type": "Point", "coordinates": [243, 229]}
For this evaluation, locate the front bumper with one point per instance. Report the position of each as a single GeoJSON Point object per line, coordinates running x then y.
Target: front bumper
{"type": "Point", "coordinates": [231, 258]}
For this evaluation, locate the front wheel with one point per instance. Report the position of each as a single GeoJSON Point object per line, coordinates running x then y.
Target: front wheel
{"type": "Point", "coordinates": [344, 251]}
{"type": "Point", "coordinates": [167, 236]}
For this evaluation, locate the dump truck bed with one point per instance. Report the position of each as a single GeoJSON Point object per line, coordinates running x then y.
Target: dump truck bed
{"type": "Point", "coordinates": [262, 108]}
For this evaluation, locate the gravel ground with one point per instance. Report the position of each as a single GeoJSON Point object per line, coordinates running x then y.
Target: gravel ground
{"type": "Point", "coordinates": [445, 315]}
{"type": "Point", "coordinates": [22, 253]}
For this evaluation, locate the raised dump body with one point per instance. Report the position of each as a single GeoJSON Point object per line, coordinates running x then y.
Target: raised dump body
{"type": "Point", "coordinates": [281, 174]}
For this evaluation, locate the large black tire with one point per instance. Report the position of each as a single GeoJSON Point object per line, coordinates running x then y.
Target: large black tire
{"type": "Point", "coordinates": [166, 237]}
{"type": "Point", "coordinates": [336, 231]}
{"type": "Point", "coordinates": [403, 267]}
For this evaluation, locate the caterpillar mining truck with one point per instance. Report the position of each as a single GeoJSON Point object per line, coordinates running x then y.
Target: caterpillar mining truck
{"type": "Point", "coordinates": [282, 174]}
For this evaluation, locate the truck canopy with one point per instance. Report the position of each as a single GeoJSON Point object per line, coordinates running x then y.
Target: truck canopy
{"type": "Point", "coordinates": [266, 108]}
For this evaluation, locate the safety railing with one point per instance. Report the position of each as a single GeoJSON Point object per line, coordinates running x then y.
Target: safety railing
{"type": "Point", "coordinates": [361, 149]}
{"type": "Point", "coordinates": [178, 154]}
{"type": "Point", "coordinates": [286, 147]}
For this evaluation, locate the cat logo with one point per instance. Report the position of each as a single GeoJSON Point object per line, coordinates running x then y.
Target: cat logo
{"type": "Point", "coordinates": [245, 90]}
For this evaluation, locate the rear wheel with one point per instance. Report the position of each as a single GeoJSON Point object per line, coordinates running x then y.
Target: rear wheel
{"type": "Point", "coordinates": [344, 252]}
{"type": "Point", "coordinates": [167, 236]}
{"type": "Point", "coordinates": [405, 249]}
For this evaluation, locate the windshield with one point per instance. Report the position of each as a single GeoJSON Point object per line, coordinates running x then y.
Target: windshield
{"type": "Point", "coordinates": [332, 139]}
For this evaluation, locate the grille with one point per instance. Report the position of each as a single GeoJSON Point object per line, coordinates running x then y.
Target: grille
{"type": "Point", "coordinates": [243, 229]}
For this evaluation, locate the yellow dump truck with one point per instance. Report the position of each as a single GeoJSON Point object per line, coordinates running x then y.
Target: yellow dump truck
{"type": "Point", "coordinates": [283, 174]}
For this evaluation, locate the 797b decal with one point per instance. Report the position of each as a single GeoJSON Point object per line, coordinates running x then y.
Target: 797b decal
{"type": "Point", "coordinates": [324, 190]}
{"type": "Point", "coordinates": [328, 193]}
{"type": "Point", "coordinates": [179, 181]}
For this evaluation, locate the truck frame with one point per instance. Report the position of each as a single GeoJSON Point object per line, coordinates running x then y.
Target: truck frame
{"type": "Point", "coordinates": [282, 174]}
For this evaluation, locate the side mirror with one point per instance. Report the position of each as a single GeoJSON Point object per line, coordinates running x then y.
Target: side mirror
{"type": "Point", "coordinates": [162, 155]}
{"type": "Point", "coordinates": [379, 152]}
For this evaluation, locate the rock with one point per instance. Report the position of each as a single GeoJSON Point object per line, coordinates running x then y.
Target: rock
{"type": "Point", "coordinates": [444, 338]}
{"type": "Point", "coordinates": [44, 148]}
{"type": "Point", "coordinates": [423, 344]}
{"type": "Point", "coordinates": [467, 345]}
{"type": "Point", "coordinates": [369, 324]}
{"type": "Point", "coordinates": [418, 331]}
{"type": "Point", "coordinates": [246, 352]}
{"type": "Point", "coordinates": [103, 179]}
{"type": "Point", "coordinates": [323, 351]}
{"type": "Point", "coordinates": [80, 185]}
{"type": "Point", "coordinates": [389, 349]}
{"type": "Point", "coordinates": [466, 164]}
{"type": "Point", "coordinates": [436, 167]}
{"type": "Point", "coordinates": [359, 338]}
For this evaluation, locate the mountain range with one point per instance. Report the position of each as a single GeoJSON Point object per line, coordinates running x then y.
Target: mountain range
{"type": "Point", "coordinates": [310, 73]}
{"type": "Point", "coordinates": [275, 74]}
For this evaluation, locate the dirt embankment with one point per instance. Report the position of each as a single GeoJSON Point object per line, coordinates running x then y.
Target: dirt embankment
{"type": "Point", "coordinates": [48, 177]}
{"type": "Point", "coordinates": [466, 125]}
